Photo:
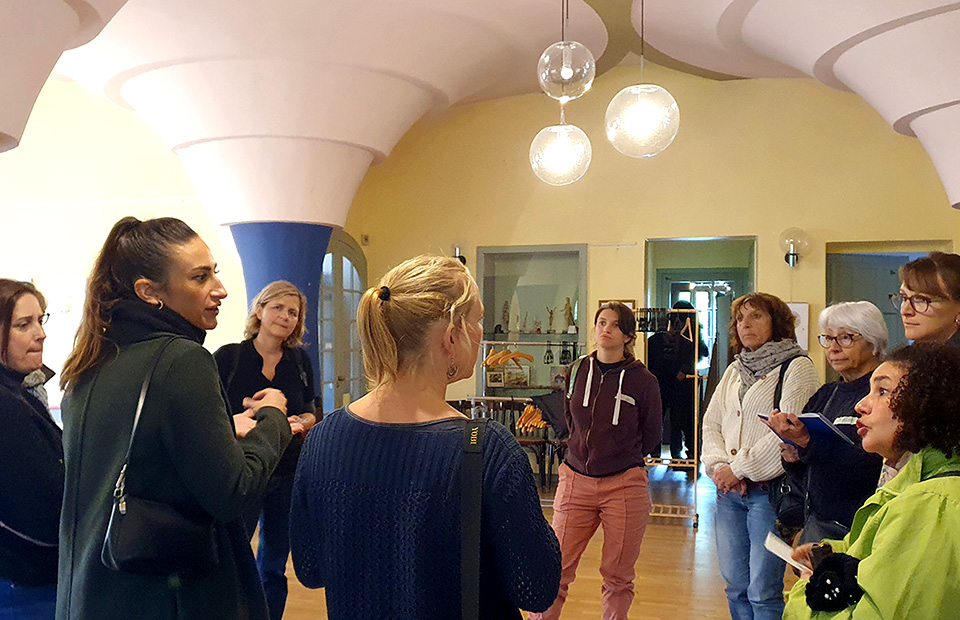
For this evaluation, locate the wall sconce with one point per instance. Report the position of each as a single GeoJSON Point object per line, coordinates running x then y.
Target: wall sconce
{"type": "Point", "coordinates": [794, 242]}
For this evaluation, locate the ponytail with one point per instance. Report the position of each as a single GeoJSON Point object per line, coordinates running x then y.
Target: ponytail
{"type": "Point", "coordinates": [380, 356]}
{"type": "Point", "coordinates": [132, 250]}
{"type": "Point", "coordinates": [395, 317]}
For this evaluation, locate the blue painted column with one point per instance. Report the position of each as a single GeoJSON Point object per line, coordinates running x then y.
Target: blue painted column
{"type": "Point", "coordinates": [290, 251]}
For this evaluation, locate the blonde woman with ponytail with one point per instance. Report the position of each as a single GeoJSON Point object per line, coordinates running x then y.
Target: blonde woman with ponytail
{"type": "Point", "coordinates": [376, 511]}
{"type": "Point", "coordinates": [151, 297]}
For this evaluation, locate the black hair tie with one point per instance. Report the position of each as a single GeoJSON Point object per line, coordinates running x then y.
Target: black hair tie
{"type": "Point", "coordinates": [384, 293]}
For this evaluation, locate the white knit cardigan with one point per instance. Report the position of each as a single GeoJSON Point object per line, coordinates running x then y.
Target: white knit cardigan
{"type": "Point", "coordinates": [732, 432]}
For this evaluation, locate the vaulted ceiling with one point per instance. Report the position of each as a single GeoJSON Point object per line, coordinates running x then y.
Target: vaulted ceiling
{"type": "Point", "coordinates": [277, 110]}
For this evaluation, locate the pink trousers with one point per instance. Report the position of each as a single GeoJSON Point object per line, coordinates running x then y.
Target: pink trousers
{"type": "Point", "coordinates": [621, 505]}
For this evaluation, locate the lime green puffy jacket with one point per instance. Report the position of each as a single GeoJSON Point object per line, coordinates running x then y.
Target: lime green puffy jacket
{"type": "Point", "coordinates": [907, 537]}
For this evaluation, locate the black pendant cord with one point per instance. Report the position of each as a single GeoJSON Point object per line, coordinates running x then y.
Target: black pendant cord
{"type": "Point", "coordinates": [564, 17]}
{"type": "Point", "coordinates": [643, 39]}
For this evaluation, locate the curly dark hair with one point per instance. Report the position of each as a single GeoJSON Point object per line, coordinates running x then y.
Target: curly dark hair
{"type": "Point", "coordinates": [927, 399]}
{"type": "Point", "coordinates": [783, 322]}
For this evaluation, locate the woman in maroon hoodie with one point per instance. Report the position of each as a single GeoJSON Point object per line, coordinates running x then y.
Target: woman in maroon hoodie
{"type": "Point", "coordinates": [614, 416]}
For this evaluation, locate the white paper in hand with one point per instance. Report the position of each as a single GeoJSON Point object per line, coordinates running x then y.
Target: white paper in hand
{"type": "Point", "coordinates": [782, 550]}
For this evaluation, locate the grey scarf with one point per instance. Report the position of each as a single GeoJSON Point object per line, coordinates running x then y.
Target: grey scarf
{"type": "Point", "coordinates": [754, 365]}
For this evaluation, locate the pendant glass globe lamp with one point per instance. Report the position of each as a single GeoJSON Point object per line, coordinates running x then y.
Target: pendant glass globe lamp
{"type": "Point", "coordinates": [642, 120]}
{"type": "Point", "coordinates": [560, 154]}
{"type": "Point", "coordinates": [566, 70]}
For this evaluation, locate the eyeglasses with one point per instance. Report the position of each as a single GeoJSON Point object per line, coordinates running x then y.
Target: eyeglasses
{"type": "Point", "coordinates": [23, 326]}
{"type": "Point", "coordinates": [844, 340]}
{"type": "Point", "coordinates": [919, 303]}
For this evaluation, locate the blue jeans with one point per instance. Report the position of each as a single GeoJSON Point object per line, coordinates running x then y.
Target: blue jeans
{"type": "Point", "coordinates": [754, 576]}
{"type": "Point", "coordinates": [20, 603]}
{"type": "Point", "coordinates": [273, 514]}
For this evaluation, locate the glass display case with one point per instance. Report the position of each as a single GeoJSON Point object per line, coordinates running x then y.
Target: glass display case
{"type": "Point", "coordinates": [535, 299]}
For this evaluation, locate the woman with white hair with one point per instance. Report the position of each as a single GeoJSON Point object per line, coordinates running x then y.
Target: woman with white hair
{"type": "Point", "coordinates": [838, 475]}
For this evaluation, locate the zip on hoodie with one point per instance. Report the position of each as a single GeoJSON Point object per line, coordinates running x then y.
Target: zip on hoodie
{"type": "Point", "coordinates": [618, 399]}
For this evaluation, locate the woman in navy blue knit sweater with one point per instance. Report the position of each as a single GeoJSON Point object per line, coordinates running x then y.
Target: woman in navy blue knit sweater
{"type": "Point", "coordinates": [376, 503]}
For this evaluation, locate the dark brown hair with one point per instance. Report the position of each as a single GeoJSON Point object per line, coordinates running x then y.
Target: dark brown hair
{"type": "Point", "coordinates": [937, 273]}
{"type": "Point", "coordinates": [133, 250]}
{"type": "Point", "coordinates": [927, 399]}
{"type": "Point", "coordinates": [783, 323]}
{"type": "Point", "coordinates": [626, 321]}
{"type": "Point", "coordinates": [10, 293]}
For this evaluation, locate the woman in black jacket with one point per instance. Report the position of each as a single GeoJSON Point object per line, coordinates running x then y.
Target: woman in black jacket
{"type": "Point", "coordinates": [270, 357]}
{"type": "Point", "coordinates": [154, 285]}
{"type": "Point", "coordinates": [31, 463]}
{"type": "Point", "coordinates": [837, 476]}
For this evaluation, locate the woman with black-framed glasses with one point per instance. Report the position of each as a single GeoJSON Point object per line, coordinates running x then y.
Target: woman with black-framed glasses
{"type": "Point", "coordinates": [929, 298]}
{"type": "Point", "coordinates": [836, 476]}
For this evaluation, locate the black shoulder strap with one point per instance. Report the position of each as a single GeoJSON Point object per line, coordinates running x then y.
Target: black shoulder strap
{"type": "Point", "coordinates": [119, 488]}
{"type": "Point", "coordinates": [943, 474]}
{"type": "Point", "coordinates": [471, 490]}
{"type": "Point", "coordinates": [778, 391]}
{"type": "Point", "coordinates": [298, 355]}
{"type": "Point", "coordinates": [233, 371]}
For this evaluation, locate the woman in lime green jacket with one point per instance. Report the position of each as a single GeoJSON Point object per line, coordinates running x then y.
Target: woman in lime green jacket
{"type": "Point", "coordinates": [902, 555]}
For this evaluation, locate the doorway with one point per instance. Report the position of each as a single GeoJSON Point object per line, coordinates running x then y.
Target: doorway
{"type": "Point", "coordinates": [343, 282]}
{"type": "Point", "coordinates": [710, 274]}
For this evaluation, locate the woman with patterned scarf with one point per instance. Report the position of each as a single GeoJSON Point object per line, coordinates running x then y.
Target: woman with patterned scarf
{"type": "Point", "coordinates": [741, 454]}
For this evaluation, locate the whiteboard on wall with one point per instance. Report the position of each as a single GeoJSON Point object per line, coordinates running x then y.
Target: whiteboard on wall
{"type": "Point", "coordinates": [801, 311]}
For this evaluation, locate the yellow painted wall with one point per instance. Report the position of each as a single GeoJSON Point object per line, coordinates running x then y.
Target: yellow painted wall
{"type": "Point", "coordinates": [752, 157]}
{"type": "Point", "coordinates": [83, 164]}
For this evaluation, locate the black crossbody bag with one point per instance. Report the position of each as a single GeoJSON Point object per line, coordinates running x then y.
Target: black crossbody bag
{"type": "Point", "coordinates": [149, 537]}
{"type": "Point", "coordinates": [471, 503]}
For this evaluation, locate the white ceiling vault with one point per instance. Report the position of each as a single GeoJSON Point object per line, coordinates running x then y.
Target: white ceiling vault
{"type": "Point", "coordinates": [277, 110]}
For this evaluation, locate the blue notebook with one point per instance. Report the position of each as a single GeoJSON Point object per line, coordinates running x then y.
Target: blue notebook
{"type": "Point", "coordinates": [820, 427]}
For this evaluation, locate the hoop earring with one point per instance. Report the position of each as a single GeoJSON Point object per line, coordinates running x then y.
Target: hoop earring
{"type": "Point", "coordinates": [452, 369]}
{"type": "Point", "coordinates": [159, 304]}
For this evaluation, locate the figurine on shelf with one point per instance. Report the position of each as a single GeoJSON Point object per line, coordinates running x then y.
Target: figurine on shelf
{"type": "Point", "coordinates": [568, 314]}
{"type": "Point", "coordinates": [550, 312]}
{"type": "Point", "coordinates": [506, 316]}
{"type": "Point", "coordinates": [537, 326]}
{"type": "Point", "coordinates": [523, 326]}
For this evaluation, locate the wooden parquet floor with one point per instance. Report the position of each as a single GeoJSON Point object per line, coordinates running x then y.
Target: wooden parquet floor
{"type": "Point", "coordinates": [677, 573]}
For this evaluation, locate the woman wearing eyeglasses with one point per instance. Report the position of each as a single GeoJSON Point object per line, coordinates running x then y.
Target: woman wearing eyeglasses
{"type": "Point", "coordinates": [31, 463]}
{"type": "Point", "coordinates": [837, 476]}
{"type": "Point", "coordinates": [929, 299]}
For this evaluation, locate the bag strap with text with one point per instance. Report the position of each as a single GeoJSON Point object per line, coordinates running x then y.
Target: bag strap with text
{"type": "Point", "coordinates": [471, 502]}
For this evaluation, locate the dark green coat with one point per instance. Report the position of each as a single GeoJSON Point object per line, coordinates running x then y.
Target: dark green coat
{"type": "Point", "coordinates": [185, 454]}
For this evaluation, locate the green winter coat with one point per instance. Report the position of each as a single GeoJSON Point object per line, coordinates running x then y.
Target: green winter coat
{"type": "Point", "coordinates": [907, 537]}
{"type": "Point", "coordinates": [185, 454]}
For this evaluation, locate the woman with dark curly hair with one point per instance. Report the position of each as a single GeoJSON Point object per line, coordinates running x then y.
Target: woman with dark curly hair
{"type": "Point", "coordinates": [896, 561]}
{"type": "Point", "coordinates": [741, 455]}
